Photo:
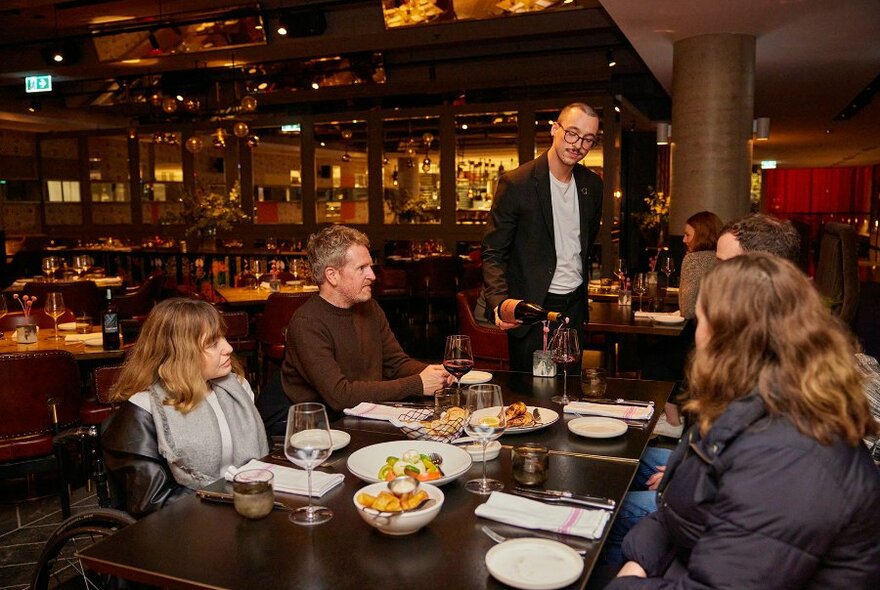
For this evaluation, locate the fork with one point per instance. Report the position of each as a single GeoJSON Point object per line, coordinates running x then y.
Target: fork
{"type": "Point", "coordinates": [641, 425]}
{"type": "Point", "coordinates": [501, 538]}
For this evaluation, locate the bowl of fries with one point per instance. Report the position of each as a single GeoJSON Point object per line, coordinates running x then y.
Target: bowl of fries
{"type": "Point", "coordinates": [398, 515]}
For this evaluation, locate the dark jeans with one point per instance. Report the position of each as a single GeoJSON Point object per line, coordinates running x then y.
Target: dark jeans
{"type": "Point", "coordinates": [571, 305]}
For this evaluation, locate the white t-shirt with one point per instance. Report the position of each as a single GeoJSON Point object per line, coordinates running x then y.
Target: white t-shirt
{"type": "Point", "coordinates": [566, 236]}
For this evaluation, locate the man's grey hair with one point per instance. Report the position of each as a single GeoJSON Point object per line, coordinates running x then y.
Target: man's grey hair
{"type": "Point", "coordinates": [328, 248]}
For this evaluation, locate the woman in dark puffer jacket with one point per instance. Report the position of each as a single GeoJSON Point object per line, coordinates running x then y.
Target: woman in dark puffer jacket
{"type": "Point", "coordinates": [772, 487]}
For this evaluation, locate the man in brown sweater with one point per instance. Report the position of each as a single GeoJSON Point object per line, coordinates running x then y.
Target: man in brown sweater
{"type": "Point", "coordinates": [340, 349]}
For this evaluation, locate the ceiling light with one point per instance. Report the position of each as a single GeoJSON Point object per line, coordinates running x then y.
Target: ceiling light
{"type": "Point", "coordinates": [664, 132]}
{"type": "Point", "coordinates": [34, 106]}
{"type": "Point", "coordinates": [315, 85]}
{"type": "Point", "coordinates": [281, 30]}
{"type": "Point", "coordinates": [610, 57]}
{"type": "Point", "coordinates": [761, 128]}
{"type": "Point", "coordinates": [57, 56]}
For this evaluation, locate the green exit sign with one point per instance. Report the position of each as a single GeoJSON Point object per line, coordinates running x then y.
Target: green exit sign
{"type": "Point", "coordinates": [41, 83]}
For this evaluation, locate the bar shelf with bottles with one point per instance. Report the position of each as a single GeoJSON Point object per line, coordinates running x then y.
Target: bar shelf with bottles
{"type": "Point", "coordinates": [475, 185]}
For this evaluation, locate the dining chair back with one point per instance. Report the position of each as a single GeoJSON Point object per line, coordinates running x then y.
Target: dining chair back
{"type": "Point", "coordinates": [837, 270]}
{"type": "Point", "coordinates": [39, 395]}
{"type": "Point", "coordinates": [488, 343]}
{"type": "Point", "coordinates": [79, 296]}
{"type": "Point", "coordinates": [98, 407]}
{"type": "Point", "coordinates": [14, 319]}
{"type": "Point", "coordinates": [138, 303]}
{"type": "Point", "coordinates": [271, 327]}
{"type": "Point", "coordinates": [434, 281]}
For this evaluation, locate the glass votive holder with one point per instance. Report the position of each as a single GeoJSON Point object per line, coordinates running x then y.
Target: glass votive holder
{"type": "Point", "coordinates": [594, 381]}
{"type": "Point", "coordinates": [531, 464]}
{"type": "Point", "coordinates": [252, 493]}
{"type": "Point", "coordinates": [274, 285]}
{"type": "Point", "coordinates": [83, 324]}
{"type": "Point", "coordinates": [445, 398]}
{"type": "Point", "coordinates": [624, 297]}
{"type": "Point", "coordinates": [542, 364]}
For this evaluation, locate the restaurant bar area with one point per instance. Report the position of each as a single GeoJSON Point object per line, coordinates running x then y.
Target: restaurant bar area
{"type": "Point", "coordinates": [528, 294]}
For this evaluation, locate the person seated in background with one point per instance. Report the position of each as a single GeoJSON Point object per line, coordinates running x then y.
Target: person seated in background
{"type": "Point", "coordinates": [339, 348]}
{"type": "Point", "coordinates": [186, 412]}
{"type": "Point", "coordinates": [759, 233]}
{"type": "Point", "coordinates": [772, 486]}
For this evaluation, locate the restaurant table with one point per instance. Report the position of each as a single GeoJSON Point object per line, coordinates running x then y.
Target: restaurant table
{"type": "Point", "coordinates": [45, 341]}
{"type": "Point", "coordinates": [18, 285]}
{"type": "Point", "coordinates": [245, 297]}
{"type": "Point", "coordinates": [537, 391]}
{"type": "Point", "coordinates": [195, 544]}
{"type": "Point", "coordinates": [614, 320]}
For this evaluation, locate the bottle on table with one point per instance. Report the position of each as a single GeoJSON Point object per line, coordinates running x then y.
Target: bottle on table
{"type": "Point", "coordinates": [514, 310]}
{"type": "Point", "coordinates": [110, 324]}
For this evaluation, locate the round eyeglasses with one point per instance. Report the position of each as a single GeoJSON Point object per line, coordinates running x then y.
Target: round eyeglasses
{"type": "Point", "coordinates": [587, 141]}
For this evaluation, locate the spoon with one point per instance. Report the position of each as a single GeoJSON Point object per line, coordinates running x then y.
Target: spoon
{"type": "Point", "coordinates": [403, 484]}
{"type": "Point", "coordinates": [427, 502]}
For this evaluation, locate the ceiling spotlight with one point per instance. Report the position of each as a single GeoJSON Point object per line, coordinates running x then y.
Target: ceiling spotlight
{"type": "Point", "coordinates": [315, 85]}
{"type": "Point", "coordinates": [610, 57]}
{"type": "Point", "coordinates": [664, 132]}
{"type": "Point", "coordinates": [281, 30]}
{"type": "Point", "coordinates": [57, 56]}
{"type": "Point", "coordinates": [64, 51]}
{"type": "Point", "coordinates": [761, 128]}
{"type": "Point", "coordinates": [34, 106]}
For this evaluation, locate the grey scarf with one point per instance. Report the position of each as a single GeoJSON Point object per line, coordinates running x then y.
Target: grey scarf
{"type": "Point", "coordinates": [191, 442]}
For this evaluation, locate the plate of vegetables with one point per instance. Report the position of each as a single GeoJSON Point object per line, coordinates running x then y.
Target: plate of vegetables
{"type": "Point", "coordinates": [383, 461]}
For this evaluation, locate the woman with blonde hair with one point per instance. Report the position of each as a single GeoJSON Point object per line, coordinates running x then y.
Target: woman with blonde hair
{"type": "Point", "coordinates": [771, 487]}
{"type": "Point", "coordinates": [186, 414]}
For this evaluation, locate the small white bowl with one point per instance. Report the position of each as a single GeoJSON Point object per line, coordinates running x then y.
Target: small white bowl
{"type": "Point", "coordinates": [400, 524]}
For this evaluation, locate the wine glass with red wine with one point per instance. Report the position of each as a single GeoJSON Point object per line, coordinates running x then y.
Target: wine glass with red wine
{"type": "Point", "coordinates": [565, 349]}
{"type": "Point", "coordinates": [458, 359]}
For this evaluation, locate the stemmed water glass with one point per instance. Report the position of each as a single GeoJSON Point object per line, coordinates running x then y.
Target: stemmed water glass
{"type": "Point", "coordinates": [458, 359]}
{"type": "Point", "coordinates": [668, 268]}
{"type": "Point", "coordinates": [565, 348]}
{"type": "Point", "coordinates": [640, 287]}
{"type": "Point", "coordinates": [54, 308]}
{"type": "Point", "coordinates": [486, 421]}
{"type": "Point", "coordinates": [3, 312]}
{"type": "Point", "coordinates": [307, 444]}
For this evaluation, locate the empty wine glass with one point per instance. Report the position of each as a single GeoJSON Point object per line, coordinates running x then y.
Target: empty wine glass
{"type": "Point", "coordinates": [49, 265]}
{"type": "Point", "coordinates": [307, 444]}
{"type": "Point", "coordinates": [80, 264]}
{"type": "Point", "coordinates": [486, 421]}
{"type": "Point", "coordinates": [640, 287]}
{"type": "Point", "coordinates": [458, 359]}
{"type": "Point", "coordinates": [3, 311]}
{"type": "Point", "coordinates": [668, 268]}
{"type": "Point", "coordinates": [54, 308]}
{"type": "Point", "coordinates": [565, 348]}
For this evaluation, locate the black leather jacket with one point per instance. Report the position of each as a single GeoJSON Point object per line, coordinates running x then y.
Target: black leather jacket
{"type": "Point", "coordinates": [140, 479]}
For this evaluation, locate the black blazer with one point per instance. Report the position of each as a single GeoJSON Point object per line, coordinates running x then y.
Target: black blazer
{"type": "Point", "coordinates": [519, 254]}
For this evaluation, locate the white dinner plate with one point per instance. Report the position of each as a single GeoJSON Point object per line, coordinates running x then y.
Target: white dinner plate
{"type": "Point", "coordinates": [339, 439]}
{"type": "Point", "coordinates": [476, 377]}
{"type": "Point", "coordinates": [67, 326]}
{"type": "Point", "coordinates": [534, 564]}
{"type": "Point", "coordinates": [366, 462]}
{"type": "Point", "coordinates": [97, 340]}
{"type": "Point", "coordinates": [597, 427]}
{"type": "Point", "coordinates": [669, 319]}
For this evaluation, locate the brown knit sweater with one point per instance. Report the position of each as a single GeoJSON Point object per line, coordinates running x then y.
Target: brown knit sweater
{"type": "Point", "coordinates": [345, 356]}
{"type": "Point", "coordinates": [694, 267]}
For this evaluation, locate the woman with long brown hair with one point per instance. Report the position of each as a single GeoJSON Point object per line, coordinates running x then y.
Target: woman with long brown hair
{"type": "Point", "coordinates": [186, 414]}
{"type": "Point", "coordinates": [771, 487]}
{"type": "Point", "coordinates": [701, 232]}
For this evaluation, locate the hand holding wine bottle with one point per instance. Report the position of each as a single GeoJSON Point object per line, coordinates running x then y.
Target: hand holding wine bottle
{"type": "Point", "coordinates": [517, 311]}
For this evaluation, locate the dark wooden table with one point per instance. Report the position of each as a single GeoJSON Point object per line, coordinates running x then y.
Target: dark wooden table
{"type": "Point", "coordinates": [194, 544]}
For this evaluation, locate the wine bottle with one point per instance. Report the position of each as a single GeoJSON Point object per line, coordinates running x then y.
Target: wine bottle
{"type": "Point", "coordinates": [513, 310]}
{"type": "Point", "coordinates": [110, 324]}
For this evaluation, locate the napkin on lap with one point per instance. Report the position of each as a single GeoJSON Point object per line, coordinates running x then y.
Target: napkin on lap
{"type": "Point", "coordinates": [377, 411]}
{"type": "Point", "coordinates": [532, 514]}
{"type": "Point", "coordinates": [292, 481]}
{"type": "Point", "coordinates": [611, 410]}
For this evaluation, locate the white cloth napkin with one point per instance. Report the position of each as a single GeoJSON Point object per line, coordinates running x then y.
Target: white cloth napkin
{"type": "Point", "coordinates": [292, 481]}
{"type": "Point", "coordinates": [93, 337]}
{"type": "Point", "coordinates": [658, 314]}
{"type": "Point", "coordinates": [611, 410]}
{"type": "Point", "coordinates": [379, 411]}
{"type": "Point", "coordinates": [531, 514]}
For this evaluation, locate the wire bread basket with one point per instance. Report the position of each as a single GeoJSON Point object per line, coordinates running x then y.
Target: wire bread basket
{"type": "Point", "coordinates": [423, 424]}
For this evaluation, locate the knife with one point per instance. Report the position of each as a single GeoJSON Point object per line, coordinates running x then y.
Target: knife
{"type": "Point", "coordinates": [226, 498]}
{"type": "Point", "coordinates": [620, 401]}
{"type": "Point", "coordinates": [568, 497]}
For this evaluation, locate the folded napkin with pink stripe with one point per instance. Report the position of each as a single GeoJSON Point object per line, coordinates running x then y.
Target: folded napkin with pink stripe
{"type": "Point", "coordinates": [531, 514]}
{"type": "Point", "coordinates": [292, 481]}
{"type": "Point", "coordinates": [610, 410]}
{"type": "Point", "coordinates": [381, 412]}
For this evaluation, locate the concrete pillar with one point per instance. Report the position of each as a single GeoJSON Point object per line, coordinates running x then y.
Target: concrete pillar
{"type": "Point", "coordinates": [713, 83]}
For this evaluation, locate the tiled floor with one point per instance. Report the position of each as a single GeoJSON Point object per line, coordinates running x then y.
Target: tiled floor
{"type": "Point", "coordinates": [24, 528]}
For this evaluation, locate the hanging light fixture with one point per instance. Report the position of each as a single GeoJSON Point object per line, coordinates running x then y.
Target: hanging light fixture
{"type": "Point", "coordinates": [253, 141]}
{"type": "Point", "coordinates": [194, 144]}
{"type": "Point", "coordinates": [761, 128]}
{"type": "Point", "coordinates": [249, 103]}
{"type": "Point", "coordinates": [240, 129]}
{"type": "Point", "coordinates": [664, 132]}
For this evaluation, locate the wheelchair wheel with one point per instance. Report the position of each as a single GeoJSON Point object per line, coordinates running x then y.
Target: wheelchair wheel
{"type": "Point", "coordinates": [58, 568]}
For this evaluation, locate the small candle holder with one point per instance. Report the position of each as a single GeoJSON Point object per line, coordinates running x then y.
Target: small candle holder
{"type": "Point", "coordinates": [252, 493]}
{"type": "Point", "coordinates": [531, 464]}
